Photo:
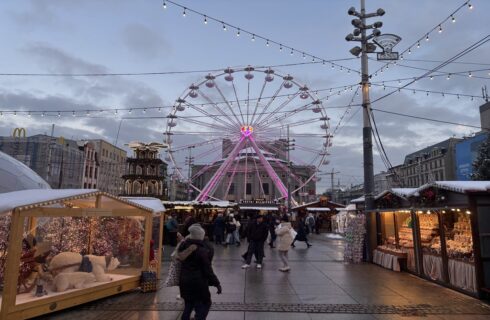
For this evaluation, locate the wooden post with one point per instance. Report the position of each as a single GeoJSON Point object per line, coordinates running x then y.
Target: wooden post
{"type": "Point", "coordinates": [442, 235]}
{"type": "Point", "coordinates": [475, 233]}
{"type": "Point", "coordinates": [9, 293]}
{"type": "Point", "coordinates": [417, 246]}
{"type": "Point", "coordinates": [146, 253]}
{"type": "Point", "coordinates": [160, 246]}
{"type": "Point", "coordinates": [397, 236]}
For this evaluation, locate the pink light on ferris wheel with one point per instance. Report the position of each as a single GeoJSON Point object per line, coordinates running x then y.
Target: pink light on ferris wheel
{"type": "Point", "coordinates": [246, 130]}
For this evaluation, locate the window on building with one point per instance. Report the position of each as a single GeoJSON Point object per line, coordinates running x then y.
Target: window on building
{"type": "Point", "coordinates": [232, 189]}
{"type": "Point", "coordinates": [86, 171]}
{"type": "Point", "coordinates": [85, 185]}
{"type": "Point", "coordinates": [265, 187]}
{"type": "Point", "coordinates": [95, 173]}
{"type": "Point", "coordinates": [91, 172]}
{"type": "Point", "coordinates": [249, 188]}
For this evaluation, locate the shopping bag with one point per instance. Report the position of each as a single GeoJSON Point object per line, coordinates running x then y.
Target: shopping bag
{"type": "Point", "coordinates": [293, 233]}
{"type": "Point", "coordinates": [173, 276]}
{"type": "Point", "coordinates": [148, 281]}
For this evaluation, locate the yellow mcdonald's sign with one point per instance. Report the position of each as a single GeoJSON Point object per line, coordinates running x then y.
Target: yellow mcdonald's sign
{"type": "Point", "coordinates": [19, 133]}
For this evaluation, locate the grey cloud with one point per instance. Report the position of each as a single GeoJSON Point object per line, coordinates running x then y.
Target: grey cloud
{"type": "Point", "coordinates": [144, 42]}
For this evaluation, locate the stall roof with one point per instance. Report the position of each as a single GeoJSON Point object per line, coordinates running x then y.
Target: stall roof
{"type": "Point", "coordinates": [307, 205]}
{"type": "Point", "coordinates": [259, 208]}
{"type": "Point", "coordinates": [152, 203]}
{"type": "Point", "coordinates": [221, 204]}
{"type": "Point", "coordinates": [318, 209]}
{"type": "Point", "coordinates": [457, 186]}
{"type": "Point", "coordinates": [43, 197]}
{"type": "Point", "coordinates": [401, 192]}
{"type": "Point", "coordinates": [358, 200]}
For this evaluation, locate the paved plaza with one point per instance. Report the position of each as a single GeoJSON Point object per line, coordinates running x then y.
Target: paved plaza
{"type": "Point", "coordinates": [319, 286]}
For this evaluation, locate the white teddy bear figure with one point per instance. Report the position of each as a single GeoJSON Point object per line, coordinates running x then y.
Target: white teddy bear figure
{"type": "Point", "coordinates": [69, 280]}
{"type": "Point", "coordinates": [65, 262]}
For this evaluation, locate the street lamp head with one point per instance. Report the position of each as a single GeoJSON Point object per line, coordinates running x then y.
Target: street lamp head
{"type": "Point", "coordinates": [357, 32]}
{"type": "Point", "coordinates": [378, 24]}
{"type": "Point", "coordinates": [357, 23]}
{"type": "Point", "coordinates": [349, 37]}
{"type": "Point", "coordinates": [356, 51]}
{"type": "Point", "coordinates": [376, 32]}
{"type": "Point", "coordinates": [380, 12]}
{"type": "Point", "coordinates": [352, 11]}
{"type": "Point", "coordinates": [371, 47]}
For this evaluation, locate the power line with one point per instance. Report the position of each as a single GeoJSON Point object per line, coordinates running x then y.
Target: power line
{"type": "Point", "coordinates": [109, 74]}
{"type": "Point", "coordinates": [255, 36]}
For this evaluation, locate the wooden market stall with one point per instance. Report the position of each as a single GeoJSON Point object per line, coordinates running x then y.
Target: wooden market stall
{"type": "Point", "coordinates": [442, 229]}
{"type": "Point", "coordinates": [323, 208]}
{"type": "Point", "coordinates": [47, 236]}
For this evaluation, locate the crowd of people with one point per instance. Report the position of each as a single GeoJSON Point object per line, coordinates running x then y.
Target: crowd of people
{"type": "Point", "coordinates": [194, 251]}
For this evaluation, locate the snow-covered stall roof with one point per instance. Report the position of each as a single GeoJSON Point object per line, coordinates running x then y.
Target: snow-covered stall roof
{"type": "Point", "coordinates": [456, 186]}
{"type": "Point", "coordinates": [318, 209]}
{"type": "Point", "coordinates": [149, 202]}
{"type": "Point", "coordinates": [220, 204]}
{"type": "Point", "coordinates": [401, 192]}
{"type": "Point", "coordinates": [259, 208]}
{"type": "Point", "coordinates": [33, 198]}
{"type": "Point", "coordinates": [14, 176]}
{"type": "Point", "coordinates": [357, 200]}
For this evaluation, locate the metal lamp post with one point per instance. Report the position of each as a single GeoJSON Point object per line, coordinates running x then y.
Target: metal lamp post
{"type": "Point", "coordinates": [360, 34]}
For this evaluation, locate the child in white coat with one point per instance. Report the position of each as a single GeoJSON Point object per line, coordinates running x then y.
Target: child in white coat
{"type": "Point", "coordinates": [284, 240]}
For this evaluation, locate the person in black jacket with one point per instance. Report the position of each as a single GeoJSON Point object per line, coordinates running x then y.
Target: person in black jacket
{"type": "Point", "coordinates": [256, 234]}
{"type": "Point", "coordinates": [196, 274]}
{"type": "Point", "coordinates": [302, 233]}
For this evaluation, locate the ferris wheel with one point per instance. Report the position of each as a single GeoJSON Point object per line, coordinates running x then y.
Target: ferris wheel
{"type": "Point", "coordinates": [238, 126]}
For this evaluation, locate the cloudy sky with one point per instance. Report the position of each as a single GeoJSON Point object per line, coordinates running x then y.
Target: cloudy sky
{"type": "Point", "coordinates": [73, 37]}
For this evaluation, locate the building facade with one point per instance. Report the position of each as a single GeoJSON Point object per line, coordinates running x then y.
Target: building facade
{"type": "Point", "coordinates": [59, 161]}
{"type": "Point", "coordinates": [112, 166]}
{"type": "Point", "coordinates": [466, 153]}
{"type": "Point", "coordinates": [177, 189]}
{"type": "Point", "coordinates": [250, 180]}
{"type": "Point", "coordinates": [91, 166]}
{"type": "Point", "coordinates": [433, 163]}
{"type": "Point", "coordinates": [145, 172]}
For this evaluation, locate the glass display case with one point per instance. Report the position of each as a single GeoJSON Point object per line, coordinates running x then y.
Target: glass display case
{"type": "Point", "coordinates": [459, 248]}
{"type": "Point", "coordinates": [67, 247]}
{"type": "Point", "coordinates": [430, 242]}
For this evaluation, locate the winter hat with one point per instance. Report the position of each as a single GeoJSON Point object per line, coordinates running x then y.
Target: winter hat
{"type": "Point", "coordinates": [231, 215]}
{"type": "Point", "coordinates": [196, 232]}
{"type": "Point", "coordinates": [285, 218]}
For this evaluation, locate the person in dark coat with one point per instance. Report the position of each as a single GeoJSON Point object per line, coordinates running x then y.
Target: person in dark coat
{"type": "Point", "coordinates": [257, 235]}
{"type": "Point", "coordinates": [302, 233]}
{"type": "Point", "coordinates": [219, 229]}
{"type": "Point", "coordinates": [272, 222]}
{"type": "Point", "coordinates": [196, 274]}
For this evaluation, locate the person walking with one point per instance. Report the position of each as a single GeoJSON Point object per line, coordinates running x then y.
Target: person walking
{"type": "Point", "coordinates": [272, 223]}
{"type": "Point", "coordinates": [284, 241]}
{"type": "Point", "coordinates": [172, 227]}
{"type": "Point", "coordinates": [256, 235]}
{"type": "Point", "coordinates": [302, 233]}
{"type": "Point", "coordinates": [232, 229]}
{"type": "Point", "coordinates": [219, 229]}
{"type": "Point", "coordinates": [196, 274]}
{"type": "Point", "coordinates": [310, 223]}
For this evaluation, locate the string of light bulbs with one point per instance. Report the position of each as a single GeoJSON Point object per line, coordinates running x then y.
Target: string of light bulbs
{"type": "Point", "coordinates": [255, 36]}
{"type": "Point", "coordinates": [466, 74]}
{"type": "Point", "coordinates": [429, 92]}
{"type": "Point", "coordinates": [426, 36]}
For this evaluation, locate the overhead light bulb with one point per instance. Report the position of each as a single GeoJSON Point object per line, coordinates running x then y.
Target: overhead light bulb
{"type": "Point", "coordinates": [440, 29]}
{"type": "Point", "coordinates": [292, 52]}
{"type": "Point", "coordinates": [115, 112]}
{"type": "Point", "coordinates": [448, 76]}
{"type": "Point", "coordinates": [164, 5]}
{"type": "Point", "coordinates": [470, 75]}
{"type": "Point", "coordinates": [238, 33]}
{"type": "Point", "coordinates": [129, 111]}
{"type": "Point", "coordinates": [431, 78]}
{"type": "Point", "coordinates": [144, 110]}
{"type": "Point", "coordinates": [418, 44]}
{"type": "Point", "coordinates": [183, 13]}
{"type": "Point", "coordinates": [159, 109]}
{"type": "Point", "coordinates": [205, 20]}
{"type": "Point", "coordinates": [280, 47]}
{"type": "Point", "coordinates": [224, 27]}
{"type": "Point", "coordinates": [29, 114]}
{"type": "Point", "coordinates": [453, 19]}
{"type": "Point", "coordinates": [304, 56]}
{"type": "Point", "coordinates": [427, 37]}
{"type": "Point", "coordinates": [59, 114]}
{"type": "Point", "coordinates": [42, 114]}
{"type": "Point", "coordinates": [73, 114]}
{"type": "Point", "coordinates": [410, 51]}
{"type": "Point", "coordinates": [88, 113]}
{"type": "Point", "coordinates": [267, 42]}
{"type": "Point", "coordinates": [470, 6]}
{"type": "Point", "coordinates": [253, 37]}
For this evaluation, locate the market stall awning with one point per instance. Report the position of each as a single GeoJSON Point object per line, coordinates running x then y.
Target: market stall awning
{"type": "Point", "coordinates": [318, 209]}
{"type": "Point", "coordinates": [259, 208]}
{"type": "Point", "coordinates": [456, 186]}
{"type": "Point", "coordinates": [149, 202]}
{"type": "Point", "coordinates": [44, 197]}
